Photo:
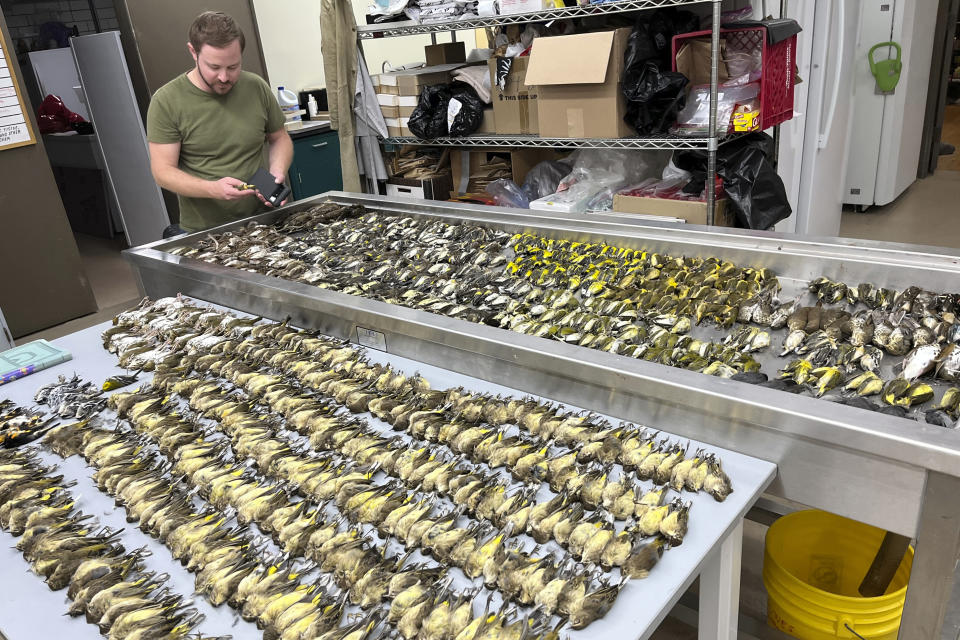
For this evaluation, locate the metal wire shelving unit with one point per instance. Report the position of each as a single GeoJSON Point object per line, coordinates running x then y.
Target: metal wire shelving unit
{"type": "Point", "coordinates": [710, 144]}
{"type": "Point", "coordinates": [492, 140]}
{"type": "Point", "coordinates": [392, 29]}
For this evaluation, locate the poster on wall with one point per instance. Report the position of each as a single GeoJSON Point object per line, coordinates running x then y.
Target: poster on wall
{"type": "Point", "coordinates": [15, 129]}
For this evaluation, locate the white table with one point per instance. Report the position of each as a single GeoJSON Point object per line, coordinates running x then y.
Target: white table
{"type": "Point", "coordinates": [711, 549]}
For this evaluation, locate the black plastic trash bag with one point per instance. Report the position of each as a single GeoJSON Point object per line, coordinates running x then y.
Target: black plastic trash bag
{"type": "Point", "coordinates": [657, 98]}
{"type": "Point", "coordinates": [654, 93]}
{"type": "Point", "coordinates": [652, 37]}
{"type": "Point", "coordinates": [753, 187]}
{"type": "Point", "coordinates": [464, 110]}
{"type": "Point", "coordinates": [429, 118]}
{"type": "Point", "coordinates": [442, 110]}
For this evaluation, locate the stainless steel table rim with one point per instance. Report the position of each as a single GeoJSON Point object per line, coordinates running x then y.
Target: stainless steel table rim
{"type": "Point", "coordinates": [870, 467]}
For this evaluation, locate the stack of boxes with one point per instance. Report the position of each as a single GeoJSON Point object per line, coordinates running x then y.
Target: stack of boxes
{"type": "Point", "coordinates": [398, 91]}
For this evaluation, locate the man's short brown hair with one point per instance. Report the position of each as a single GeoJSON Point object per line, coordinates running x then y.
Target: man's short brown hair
{"type": "Point", "coordinates": [216, 29]}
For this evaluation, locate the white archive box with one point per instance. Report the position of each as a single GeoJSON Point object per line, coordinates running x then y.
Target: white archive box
{"type": "Point", "coordinates": [403, 190]}
{"type": "Point", "coordinates": [387, 100]}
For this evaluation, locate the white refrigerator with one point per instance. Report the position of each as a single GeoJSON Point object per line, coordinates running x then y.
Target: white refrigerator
{"type": "Point", "coordinates": [887, 128]}
{"type": "Point", "coordinates": [814, 145]}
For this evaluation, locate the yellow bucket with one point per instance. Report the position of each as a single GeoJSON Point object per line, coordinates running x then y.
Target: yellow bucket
{"type": "Point", "coordinates": [812, 566]}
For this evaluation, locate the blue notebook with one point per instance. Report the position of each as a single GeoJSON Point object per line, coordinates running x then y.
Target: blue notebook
{"type": "Point", "coordinates": [27, 358]}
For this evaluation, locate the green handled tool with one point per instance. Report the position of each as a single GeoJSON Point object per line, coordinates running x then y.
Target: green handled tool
{"type": "Point", "coordinates": [886, 72]}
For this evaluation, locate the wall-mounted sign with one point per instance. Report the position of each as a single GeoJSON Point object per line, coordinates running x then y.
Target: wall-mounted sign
{"type": "Point", "coordinates": [15, 129]}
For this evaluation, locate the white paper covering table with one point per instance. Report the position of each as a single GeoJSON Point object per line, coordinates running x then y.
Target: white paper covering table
{"type": "Point", "coordinates": [711, 548]}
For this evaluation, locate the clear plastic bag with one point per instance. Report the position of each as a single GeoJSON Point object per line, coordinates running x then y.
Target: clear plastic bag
{"type": "Point", "coordinates": [736, 15]}
{"type": "Point", "coordinates": [603, 200]}
{"type": "Point", "coordinates": [576, 190]}
{"type": "Point", "coordinates": [506, 193]}
{"type": "Point", "coordinates": [694, 118]}
{"type": "Point", "coordinates": [744, 64]}
{"type": "Point", "coordinates": [543, 179]}
{"type": "Point", "coordinates": [386, 7]}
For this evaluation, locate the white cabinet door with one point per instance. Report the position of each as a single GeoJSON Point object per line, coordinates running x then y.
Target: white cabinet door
{"type": "Point", "coordinates": [826, 134]}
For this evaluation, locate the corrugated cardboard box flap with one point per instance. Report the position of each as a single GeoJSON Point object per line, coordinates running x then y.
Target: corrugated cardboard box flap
{"type": "Point", "coordinates": [576, 59]}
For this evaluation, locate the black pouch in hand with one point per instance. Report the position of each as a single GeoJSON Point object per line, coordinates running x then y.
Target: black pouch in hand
{"type": "Point", "coordinates": [266, 184]}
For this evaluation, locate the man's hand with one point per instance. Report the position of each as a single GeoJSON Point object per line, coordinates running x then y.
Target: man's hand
{"type": "Point", "coordinates": [278, 179]}
{"type": "Point", "coordinates": [229, 189]}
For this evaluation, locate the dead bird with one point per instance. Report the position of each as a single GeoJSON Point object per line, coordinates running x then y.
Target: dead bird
{"type": "Point", "coordinates": [120, 381]}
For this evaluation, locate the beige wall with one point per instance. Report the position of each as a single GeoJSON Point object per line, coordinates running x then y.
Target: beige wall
{"type": "Point", "coordinates": [290, 35]}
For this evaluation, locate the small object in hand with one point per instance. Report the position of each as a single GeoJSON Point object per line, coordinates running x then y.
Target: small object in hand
{"type": "Point", "coordinates": [245, 187]}
{"type": "Point", "coordinates": [272, 191]}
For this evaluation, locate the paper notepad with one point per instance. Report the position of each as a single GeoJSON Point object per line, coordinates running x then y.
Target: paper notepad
{"type": "Point", "coordinates": [28, 358]}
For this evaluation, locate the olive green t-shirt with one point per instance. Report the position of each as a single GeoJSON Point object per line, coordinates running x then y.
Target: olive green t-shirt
{"type": "Point", "coordinates": [219, 136]}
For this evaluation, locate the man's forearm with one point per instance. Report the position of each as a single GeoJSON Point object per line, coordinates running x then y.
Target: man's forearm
{"type": "Point", "coordinates": [182, 183]}
{"type": "Point", "coordinates": [281, 155]}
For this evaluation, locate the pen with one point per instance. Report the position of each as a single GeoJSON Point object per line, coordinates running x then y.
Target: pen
{"type": "Point", "coordinates": [16, 374]}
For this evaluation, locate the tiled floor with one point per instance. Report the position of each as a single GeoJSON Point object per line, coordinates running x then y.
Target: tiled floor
{"type": "Point", "coordinates": [110, 278]}
{"type": "Point", "coordinates": [927, 213]}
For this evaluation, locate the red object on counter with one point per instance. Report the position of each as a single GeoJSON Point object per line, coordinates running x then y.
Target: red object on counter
{"type": "Point", "coordinates": [54, 116]}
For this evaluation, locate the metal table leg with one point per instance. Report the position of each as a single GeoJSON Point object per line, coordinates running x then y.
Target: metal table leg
{"type": "Point", "coordinates": [720, 589]}
{"type": "Point", "coordinates": [931, 578]}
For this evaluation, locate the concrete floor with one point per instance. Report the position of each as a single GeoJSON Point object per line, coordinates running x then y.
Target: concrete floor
{"type": "Point", "coordinates": [925, 214]}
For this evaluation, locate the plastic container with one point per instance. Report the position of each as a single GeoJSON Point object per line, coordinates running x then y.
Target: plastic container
{"type": "Point", "coordinates": [778, 70]}
{"type": "Point", "coordinates": [289, 104]}
{"type": "Point", "coordinates": [813, 564]}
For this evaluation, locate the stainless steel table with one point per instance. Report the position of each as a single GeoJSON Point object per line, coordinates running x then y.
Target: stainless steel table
{"type": "Point", "coordinates": [711, 549]}
{"type": "Point", "coordinates": [896, 474]}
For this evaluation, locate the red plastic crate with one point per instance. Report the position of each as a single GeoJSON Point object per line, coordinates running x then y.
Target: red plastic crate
{"type": "Point", "coordinates": [777, 76]}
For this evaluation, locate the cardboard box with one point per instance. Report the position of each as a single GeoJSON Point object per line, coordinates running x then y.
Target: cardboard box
{"type": "Point", "coordinates": [390, 112]}
{"type": "Point", "coordinates": [693, 61]}
{"type": "Point", "coordinates": [436, 188]}
{"type": "Point", "coordinates": [393, 127]}
{"type": "Point", "coordinates": [445, 53]}
{"type": "Point", "coordinates": [690, 210]}
{"type": "Point", "coordinates": [387, 100]}
{"type": "Point", "coordinates": [463, 163]}
{"type": "Point", "coordinates": [578, 85]}
{"type": "Point", "coordinates": [515, 108]}
{"type": "Point", "coordinates": [406, 112]}
{"type": "Point", "coordinates": [521, 6]}
{"type": "Point", "coordinates": [411, 81]}
{"type": "Point", "coordinates": [488, 124]}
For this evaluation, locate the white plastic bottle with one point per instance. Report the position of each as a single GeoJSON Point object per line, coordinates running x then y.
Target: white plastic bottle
{"type": "Point", "coordinates": [312, 107]}
{"type": "Point", "coordinates": [289, 104]}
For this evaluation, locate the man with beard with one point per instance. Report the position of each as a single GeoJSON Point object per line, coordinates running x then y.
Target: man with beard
{"type": "Point", "coordinates": [207, 128]}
